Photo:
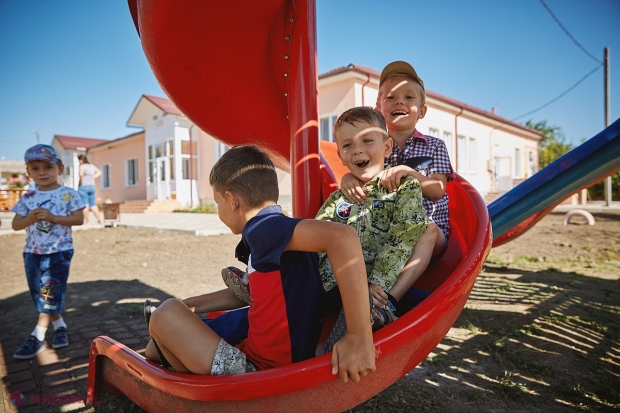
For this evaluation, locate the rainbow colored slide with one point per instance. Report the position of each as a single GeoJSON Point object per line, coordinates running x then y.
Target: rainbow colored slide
{"type": "Point", "coordinates": [521, 208]}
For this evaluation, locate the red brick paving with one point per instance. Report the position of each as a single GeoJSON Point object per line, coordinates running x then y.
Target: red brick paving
{"type": "Point", "coordinates": [55, 373]}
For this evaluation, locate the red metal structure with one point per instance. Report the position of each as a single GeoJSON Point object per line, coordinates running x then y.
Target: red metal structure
{"type": "Point", "coordinates": [245, 72]}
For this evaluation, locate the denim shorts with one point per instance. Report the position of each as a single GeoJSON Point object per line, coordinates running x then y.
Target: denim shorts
{"type": "Point", "coordinates": [47, 276]}
{"type": "Point", "coordinates": [87, 192]}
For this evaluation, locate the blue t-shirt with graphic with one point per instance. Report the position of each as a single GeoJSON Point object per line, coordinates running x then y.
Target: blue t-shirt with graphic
{"type": "Point", "coordinates": [47, 237]}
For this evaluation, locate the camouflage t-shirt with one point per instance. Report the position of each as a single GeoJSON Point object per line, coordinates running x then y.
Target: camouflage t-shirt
{"type": "Point", "coordinates": [47, 237]}
{"type": "Point", "coordinates": [389, 225]}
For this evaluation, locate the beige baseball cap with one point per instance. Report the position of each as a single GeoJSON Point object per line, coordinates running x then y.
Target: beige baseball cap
{"type": "Point", "coordinates": [400, 68]}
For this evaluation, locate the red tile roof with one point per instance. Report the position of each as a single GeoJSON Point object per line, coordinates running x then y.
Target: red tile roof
{"type": "Point", "coordinates": [73, 142]}
{"type": "Point", "coordinates": [376, 74]}
{"type": "Point", "coordinates": [164, 104]}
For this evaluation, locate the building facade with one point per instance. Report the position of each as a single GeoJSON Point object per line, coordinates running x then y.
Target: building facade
{"type": "Point", "coordinates": [171, 158]}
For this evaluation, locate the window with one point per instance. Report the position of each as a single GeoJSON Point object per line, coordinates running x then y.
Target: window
{"type": "Point", "coordinates": [472, 155]}
{"type": "Point", "coordinates": [517, 162]}
{"type": "Point", "coordinates": [433, 132]}
{"type": "Point", "coordinates": [186, 168]}
{"type": "Point", "coordinates": [447, 138]}
{"type": "Point", "coordinates": [530, 163]}
{"type": "Point", "coordinates": [131, 172]}
{"type": "Point", "coordinates": [106, 176]}
{"type": "Point", "coordinates": [326, 128]}
{"type": "Point", "coordinates": [462, 152]}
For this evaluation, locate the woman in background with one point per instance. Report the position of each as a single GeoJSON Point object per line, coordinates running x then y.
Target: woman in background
{"type": "Point", "coordinates": [86, 189]}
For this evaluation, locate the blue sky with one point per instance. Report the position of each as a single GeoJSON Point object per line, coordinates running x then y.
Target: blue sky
{"type": "Point", "coordinates": [77, 68]}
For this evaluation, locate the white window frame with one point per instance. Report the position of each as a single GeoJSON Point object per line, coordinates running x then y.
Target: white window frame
{"type": "Point", "coordinates": [329, 121]}
{"type": "Point", "coordinates": [434, 132]}
{"type": "Point", "coordinates": [448, 139]}
{"type": "Point", "coordinates": [472, 155]}
{"type": "Point", "coordinates": [131, 166]}
{"type": "Point", "coordinates": [461, 159]}
{"type": "Point", "coordinates": [106, 176]}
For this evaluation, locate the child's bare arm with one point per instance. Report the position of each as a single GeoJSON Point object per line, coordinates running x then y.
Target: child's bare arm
{"type": "Point", "coordinates": [351, 187]}
{"type": "Point", "coordinates": [76, 217]}
{"type": "Point", "coordinates": [20, 222]}
{"type": "Point", "coordinates": [433, 186]}
{"type": "Point", "coordinates": [354, 355]}
{"type": "Point", "coordinates": [216, 301]}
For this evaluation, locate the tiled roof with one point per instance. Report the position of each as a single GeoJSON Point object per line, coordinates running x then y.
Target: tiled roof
{"type": "Point", "coordinates": [164, 104]}
{"type": "Point", "coordinates": [376, 74]}
{"type": "Point", "coordinates": [73, 142]}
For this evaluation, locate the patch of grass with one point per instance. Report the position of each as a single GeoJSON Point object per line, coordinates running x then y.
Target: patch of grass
{"type": "Point", "coordinates": [509, 388]}
{"type": "Point", "coordinates": [473, 329]}
{"type": "Point", "coordinates": [502, 288]}
{"type": "Point", "coordinates": [208, 208]}
{"type": "Point", "coordinates": [136, 309]}
{"type": "Point", "coordinates": [494, 259]}
{"type": "Point", "coordinates": [528, 259]}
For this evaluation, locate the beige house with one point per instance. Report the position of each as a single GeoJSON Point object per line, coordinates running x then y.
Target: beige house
{"type": "Point", "coordinates": [491, 152]}
{"type": "Point", "coordinates": [170, 159]}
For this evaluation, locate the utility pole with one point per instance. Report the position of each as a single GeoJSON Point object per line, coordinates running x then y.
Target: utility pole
{"type": "Point", "coordinates": [607, 186]}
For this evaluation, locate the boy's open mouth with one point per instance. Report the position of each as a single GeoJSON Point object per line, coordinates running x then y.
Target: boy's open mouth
{"type": "Point", "coordinates": [362, 164]}
{"type": "Point", "coordinates": [399, 113]}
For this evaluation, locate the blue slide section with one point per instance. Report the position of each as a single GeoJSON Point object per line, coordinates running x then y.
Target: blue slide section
{"type": "Point", "coordinates": [583, 166]}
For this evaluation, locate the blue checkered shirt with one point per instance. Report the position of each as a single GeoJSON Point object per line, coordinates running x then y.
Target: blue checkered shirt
{"type": "Point", "coordinates": [428, 156]}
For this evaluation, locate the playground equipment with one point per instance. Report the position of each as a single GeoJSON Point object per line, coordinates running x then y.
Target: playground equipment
{"type": "Point", "coordinates": [309, 386]}
{"type": "Point", "coordinates": [246, 72]}
{"type": "Point", "coordinates": [518, 210]}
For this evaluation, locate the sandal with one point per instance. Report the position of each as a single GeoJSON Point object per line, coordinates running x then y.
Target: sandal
{"type": "Point", "coordinates": [147, 312]}
{"type": "Point", "coordinates": [237, 281]}
{"type": "Point", "coordinates": [340, 328]}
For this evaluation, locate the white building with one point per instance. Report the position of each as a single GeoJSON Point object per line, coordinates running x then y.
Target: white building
{"type": "Point", "coordinates": [492, 153]}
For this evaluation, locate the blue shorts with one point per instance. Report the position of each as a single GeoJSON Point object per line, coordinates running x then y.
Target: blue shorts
{"type": "Point", "coordinates": [232, 326]}
{"type": "Point", "coordinates": [47, 277]}
{"type": "Point", "coordinates": [87, 192]}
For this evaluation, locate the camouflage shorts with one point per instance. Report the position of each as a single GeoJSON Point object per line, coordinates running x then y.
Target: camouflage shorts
{"type": "Point", "coordinates": [230, 360]}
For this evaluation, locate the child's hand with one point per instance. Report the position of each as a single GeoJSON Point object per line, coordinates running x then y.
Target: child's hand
{"type": "Point", "coordinates": [352, 188]}
{"type": "Point", "coordinates": [43, 214]}
{"type": "Point", "coordinates": [353, 357]}
{"type": "Point", "coordinates": [392, 176]}
{"type": "Point", "coordinates": [379, 297]}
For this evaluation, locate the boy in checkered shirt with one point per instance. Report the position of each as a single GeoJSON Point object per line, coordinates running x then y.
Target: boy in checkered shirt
{"type": "Point", "coordinates": [401, 100]}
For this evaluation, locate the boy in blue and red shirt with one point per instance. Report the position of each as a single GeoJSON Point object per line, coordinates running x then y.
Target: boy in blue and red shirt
{"type": "Point", "coordinates": [285, 286]}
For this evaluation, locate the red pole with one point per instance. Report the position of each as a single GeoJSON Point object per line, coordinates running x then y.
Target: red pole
{"type": "Point", "coordinates": [303, 111]}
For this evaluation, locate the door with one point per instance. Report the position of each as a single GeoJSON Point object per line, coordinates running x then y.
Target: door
{"type": "Point", "coordinates": [503, 178]}
{"type": "Point", "coordinates": [162, 178]}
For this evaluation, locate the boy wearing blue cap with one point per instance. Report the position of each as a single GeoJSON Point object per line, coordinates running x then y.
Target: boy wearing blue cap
{"type": "Point", "coordinates": [47, 213]}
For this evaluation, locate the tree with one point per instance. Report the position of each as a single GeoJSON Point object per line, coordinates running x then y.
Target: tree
{"type": "Point", "coordinates": [552, 145]}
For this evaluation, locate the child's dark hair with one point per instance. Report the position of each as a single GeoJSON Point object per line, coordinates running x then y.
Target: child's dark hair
{"type": "Point", "coordinates": [361, 114]}
{"type": "Point", "coordinates": [248, 172]}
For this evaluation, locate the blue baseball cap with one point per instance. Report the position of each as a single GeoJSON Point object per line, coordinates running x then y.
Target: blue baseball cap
{"type": "Point", "coordinates": [42, 152]}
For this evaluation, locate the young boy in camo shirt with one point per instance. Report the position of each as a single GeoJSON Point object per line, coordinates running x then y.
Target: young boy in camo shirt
{"type": "Point", "coordinates": [389, 224]}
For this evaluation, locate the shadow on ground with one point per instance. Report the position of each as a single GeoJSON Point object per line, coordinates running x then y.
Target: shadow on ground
{"type": "Point", "coordinates": [55, 381]}
{"type": "Point", "coordinates": [527, 341]}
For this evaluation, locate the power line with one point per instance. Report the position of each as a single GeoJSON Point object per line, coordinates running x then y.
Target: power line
{"type": "Point", "coordinates": [568, 33]}
{"type": "Point", "coordinates": [562, 94]}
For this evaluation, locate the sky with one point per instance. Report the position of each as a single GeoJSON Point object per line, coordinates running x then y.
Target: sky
{"type": "Point", "coordinates": [77, 68]}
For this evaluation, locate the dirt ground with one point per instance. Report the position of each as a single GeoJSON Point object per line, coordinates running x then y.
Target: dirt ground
{"type": "Point", "coordinates": [540, 332]}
